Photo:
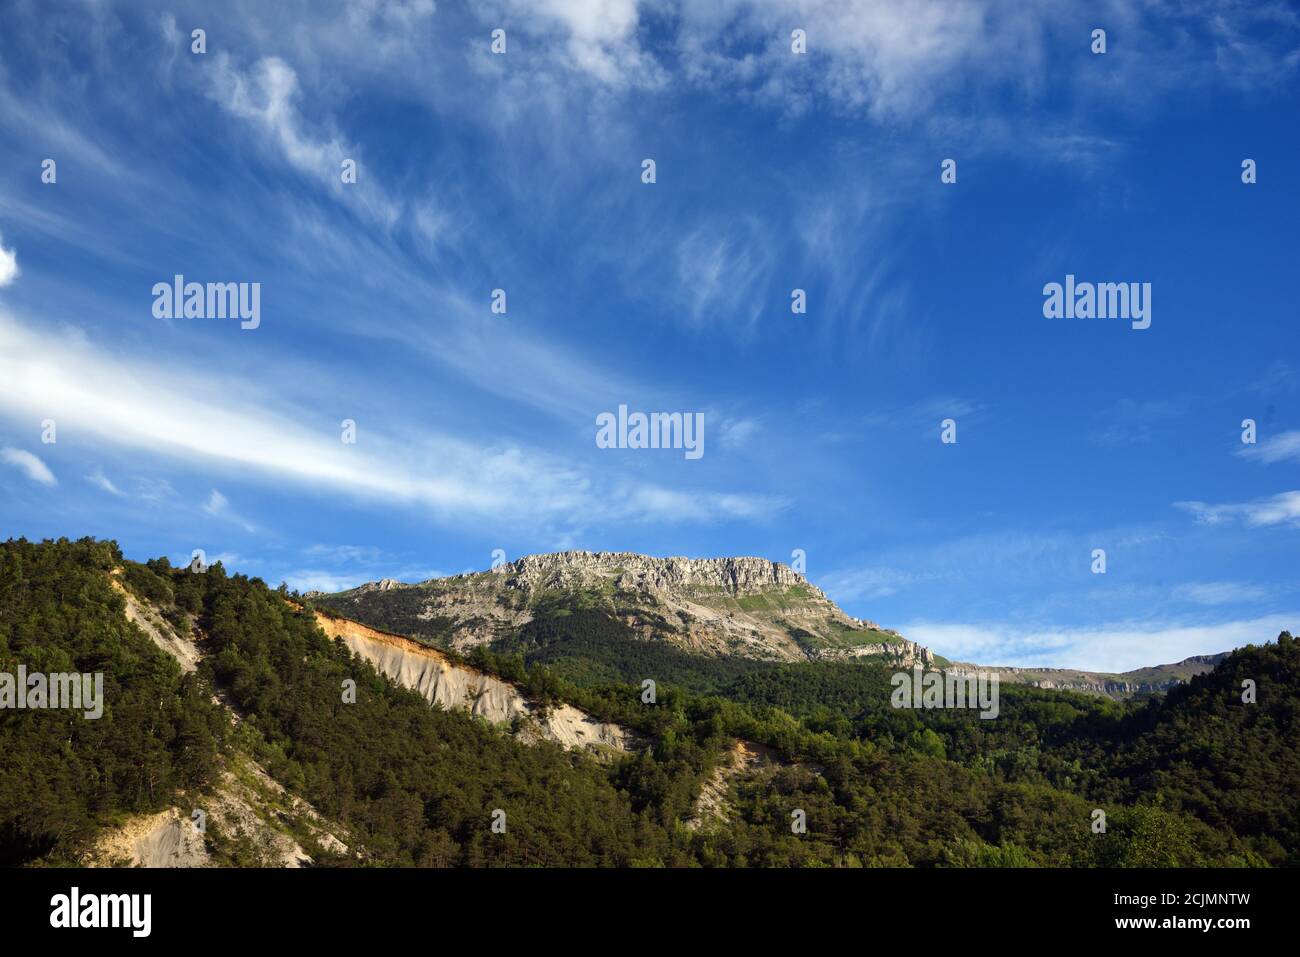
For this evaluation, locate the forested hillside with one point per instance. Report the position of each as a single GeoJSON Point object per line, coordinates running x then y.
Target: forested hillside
{"type": "Point", "coordinates": [1196, 778]}
{"type": "Point", "coordinates": [61, 775]}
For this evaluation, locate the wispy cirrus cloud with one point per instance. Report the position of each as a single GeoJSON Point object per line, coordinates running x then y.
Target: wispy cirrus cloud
{"type": "Point", "coordinates": [1285, 446]}
{"type": "Point", "coordinates": [29, 464]}
{"type": "Point", "coordinates": [102, 481]}
{"type": "Point", "coordinates": [737, 433]}
{"type": "Point", "coordinates": [1136, 422]}
{"type": "Point", "coordinates": [719, 262]}
{"type": "Point", "coordinates": [1280, 377]}
{"type": "Point", "coordinates": [216, 503]}
{"type": "Point", "coordinates": [154, 490]}
{"type": "Point", "coordinates": [924, 416]}
{"type": "Point", "coordinates": [1221, 593]}
{"type": "Point", "coordinates": [218, 506]}
{"type": "Point", "coordinates": [1280, 509]}
{"type": "Point", "coordinates": [191, 416]}
{"type": "Point", "coordinates": [365, 554]}
{"type": "Point", "coordinates": [265, 96]}
{"type": "Point", "coordinates": [865, 584]}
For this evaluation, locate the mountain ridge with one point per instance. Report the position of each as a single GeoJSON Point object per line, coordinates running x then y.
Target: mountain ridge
{"type": "Point", "coordinates": [745, 606]}
{"type": "Point", "coordinates": [732, 606]}
{"type": "Point", "coordinates": [1149, 679]}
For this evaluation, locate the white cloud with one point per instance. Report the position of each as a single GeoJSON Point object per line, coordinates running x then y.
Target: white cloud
{"type": "Point", "coordinates": [899, 60]}
{"type": "Point", "coordinates": [1276, 448]}
{"type": "Point", "coordinates": [367, 554]}
{"type": "Point", "coordinates": [718, 263]}
{"type": "Point", "coordinates": [1108, 648]}
{"type": "Point", "coordinates": [865, 584]}
{"type": "Point", "coordinates": [670, 505]}
{"type": "Point", "coordinates": [1280, 377]}
{"type": "Point", "coordinates": [736, 433]}
{"type": "Point", "coordinates": [173, 41]}
{"type": "Point", "coordinates": [600, 38]}
{"type": "Point", "coordinates": [1283, 508]}
{"type": "Point", "coordinates": [265, 96]}
{"type": "Point", "coordinates": [97, 477]}
{"type": "Point", "coordinates": [195, 418]}
{"type": "Point", "coordinates": [9, 270]}
{"type": "Point", "coordinates": [218, 506]}
{"type": "Point", "coordinates": [924, 416]}
{"type": "Point", "coordinates": [1136, 422]}
{"type": "Point", "coordinates": [1220, 593]}
{"type": "Point", "coordinates": [887, 58]}
{"type": "Point", "coordinates": [35, 469]}
{"type": "Point", "coordinates": [154, 490]}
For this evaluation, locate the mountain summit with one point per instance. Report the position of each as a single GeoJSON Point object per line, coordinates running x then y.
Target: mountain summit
{"type": "Point", "coordinates": [744, 607]}
{"type": "Point", "coordinates": [738, 576]}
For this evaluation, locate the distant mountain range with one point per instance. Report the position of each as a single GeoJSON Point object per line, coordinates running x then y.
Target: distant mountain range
{"type": "Point", "coordinates": [1126, 684]}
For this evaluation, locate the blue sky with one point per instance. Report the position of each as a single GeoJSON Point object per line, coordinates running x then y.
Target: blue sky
{"type": "Point", "coordinates": [522, 171]}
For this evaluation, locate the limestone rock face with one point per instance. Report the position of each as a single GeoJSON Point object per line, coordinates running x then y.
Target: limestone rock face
{"type": "Point", "coordinates": [160, 632]}
{"type": "Point", "coordinates": [736, 607]}
{"type": "Point", "coordinates": [457, 687]}
{"type": "Point", "coordinates": [901, 652]}
{"type": "Point", "coordinates": [738, 576]}
{"type": "Point", "coordinates": [166, 839]}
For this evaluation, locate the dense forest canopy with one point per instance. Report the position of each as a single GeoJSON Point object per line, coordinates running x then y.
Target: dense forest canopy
{"type": "Point", "coordinates": [1196, 777]}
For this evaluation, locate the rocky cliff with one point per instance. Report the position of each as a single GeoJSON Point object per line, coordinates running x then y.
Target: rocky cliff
{"type": "Point", "coordinates": [458, 687]}
{"type": "Point", "coordinates": [747, 607]}
{"type": "Point", "coordinates": [736, 576]}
